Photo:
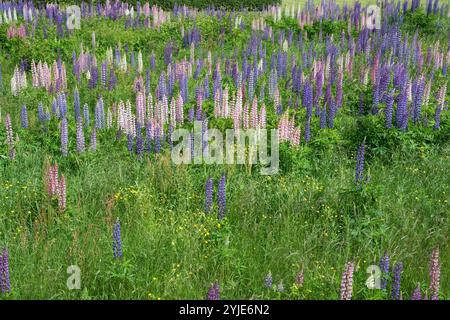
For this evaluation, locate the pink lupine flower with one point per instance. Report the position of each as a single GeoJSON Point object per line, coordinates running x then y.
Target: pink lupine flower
{"type": "Point", "coordinates": [347, 281]}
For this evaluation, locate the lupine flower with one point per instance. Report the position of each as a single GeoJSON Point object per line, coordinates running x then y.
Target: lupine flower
{"type": "Point", "coordinates": [359, 172]}
{"type": "Point", "coordinates": [416, 295]}
{"type": "Point", "coordinates": [64, 137]}
{"type": "Point", "coordinates": [435, 273]}
{"type": "Point", "coordinates": [208, 194]}
{"type": "Point", "coordinates": [347, 281]}
{"type": "Point", "coordinates": [62, 194]}
{"type": "Point", "coordinates": [80, 137]}
{"type": "Point", "coordinates": [117, 240]}
{"type": "Point", "coordinates": [222, 197]}
{"type": "Point", "coordinates": [299, 278]}
{"type": "Point", "coordinates": [5, 284]}
{"type": "Point", "coordinates": [268, 281]}
{"type": "Point", "coordinates": [24, 117]}
{"type": "Point", "coordinates": [396, 294]}
{"type": "Point", "coordinates": [93, 144]}
{"type": "Point", "coordinates": [213, 292]}
{"type": "Point", "coordinates": [384, 266]}
{"type": "Point", "coordinates": [76, 103]}
{"type": "Point", "coordinates": [10, 137]}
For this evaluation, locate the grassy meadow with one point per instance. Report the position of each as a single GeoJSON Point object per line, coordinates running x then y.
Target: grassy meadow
{"type": "Point", "coordinates": [310, 219]}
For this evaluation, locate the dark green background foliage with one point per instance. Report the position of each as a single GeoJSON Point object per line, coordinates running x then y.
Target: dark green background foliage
{"type": "Point", "coordinates": [169, 4]}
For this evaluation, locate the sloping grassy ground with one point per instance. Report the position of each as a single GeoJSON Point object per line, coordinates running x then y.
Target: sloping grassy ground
{"type": "Point", "coordinates": [310, 216]}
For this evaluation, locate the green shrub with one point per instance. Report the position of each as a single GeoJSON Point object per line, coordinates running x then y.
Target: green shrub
{"type": "Point", "coordinates": [169, 4]}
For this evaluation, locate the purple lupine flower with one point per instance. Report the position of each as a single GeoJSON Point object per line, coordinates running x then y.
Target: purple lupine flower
{"type": "Point", "coordinates": [208, 194]}
{"type": "Point", "coordinates": [222, 199]}
{"type": "Point", "coordinates": [268, 281]}
{"type": "Point", "coordinates": [112, 79]}
{"type": "Point", "coordinates": [24, 117]}
{"type": "Point", "coordinates": [157, 140]}
{"type": "Point", "coordinates": [396, 294]}
{"type": "Point", "coordinates": [359, 172]}
{"type": "Point", "coordinates": [347, 281]}
{"type": "Point", "coordinates": [86, 115]}
{"type": "Point", "coordinates": [401, 117]}
{"type": "Point", "coordinates": [5, 284]}
{"type": "Point", "coordinates": [76, 104]}
{"type": "Point", "coordinates": [384, 266]}
{"type": "Point", "coordinates": [213, 292]}
{"type": "Point", "coordinates": [117, 240]}
{"type": "Point", "coordinates": [389, 110]}
{"type": "Point", "coordinates": [416, 295]}
{"type": "Point", "coordinates": [139, 140]}
{"type": "Point", "coordinates": [308, 129]}
{"type": "Point", "coordinates": [104, 71]}
{"type": "Point", "coordinates": [435, 273]}
{"type": "Point", "coordinates": [64, 137]}
{"type": "Point", "coordinates": [323, 117]}
{"type": "Point", "coordinates": [148, 137]}
{"type": "Point", "coordinates": [130, 142]}
{"type": "Point", "coordinates": [93, 144]}
{"type": "Point", "coordinates": [80, 137]}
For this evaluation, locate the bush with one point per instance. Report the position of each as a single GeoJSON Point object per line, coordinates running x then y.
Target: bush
{"type": "Point", "coordinates": [169, 4]}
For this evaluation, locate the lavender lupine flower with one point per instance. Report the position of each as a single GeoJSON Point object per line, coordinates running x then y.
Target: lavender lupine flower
{"type": "Point", "coordinates": [139, 141]}
{"type": "Point", "coordinates": [359, 172]}
{"type": "Point", "coordinates": [112, 79]}
{"type": "Point", "coordinates": [213, 292]}
{"type": "Point", "coordinates": [80, 137]}
{"type": "Point", "coordinates": [416, 295]}
{"type": "Point", "coordinates": [268, 281]}
{"type": "Point", "coordinates": [222, 200]}
{"type": "Point", "coordinates": [384, 266]}
{"type": "Point", "coordinates": [208, 194]}
{"type": "Point", "coordinates": [117, 240]}
{"type": "Point", "coordinates": [396, 294]}
{"type": "Point", "coordinates": [435, 273]}
{"type": "Point", "coordinates": [24, 117]}
{"type": "Point", "coordinates": [401, 117]}
{"type": "Point", "coordinates": [389, 110]}
{"type": "Point", "coordinates": [308, 129]}
{"type": "Point", "coordinates": [64, 137]}
{"type": "Point", "coordinates": [86, 115]}
{"type": "Point", "coordinates": [5, 284]}
{"type": "Point", "coordinates": [347, 281]}
{"type": "Point", "coordinates": [157, 140]}
{"type": "Point", "coordinates": [130, 142]}
{"type": "Point", "coordinates": [76, 104]}
{"type": "Point", "coordinates": [93, 144]}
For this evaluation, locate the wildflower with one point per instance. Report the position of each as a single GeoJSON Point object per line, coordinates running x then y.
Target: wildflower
{"type": "Point", "coordinates": [5, 285]}
{"type": "Point", "coordinates": [222, 197]}
{"type": "Point", "coordinates": [435, 272]}
{"type": "Point", "coordinates": [416, 295]}
{"type": "Point", "coordinates": [80, 137]}
{"type": "Point", "coordinates": [62, 194]}
{"type": "Point", "coordinates": [208, 195]}
{"type": "Point", "coordinates": [117, 240]}
{"type": "Point", "coordinates": [299, 278]}
{"type": "Point", "coordinates": [10, 136]}
{"type": "Point", "coordinates": [213, 292]}
{"type": "Point", "coordinates": [24, 117]}
{"type": "Point", "coordinates": [398, 268]}
{"type": "Point", "coordinates": [93, 139]}
{"type": "Point", "coordinates": [64, 137]}
{"type": "Point", "coordinates": [347, 281]}
{"type": "Point", "coordinates": [268, 281]}
{"type": "Point", "coordinates": [384, 266]}
{"type": "Point", "coordinates": [359, 172]}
